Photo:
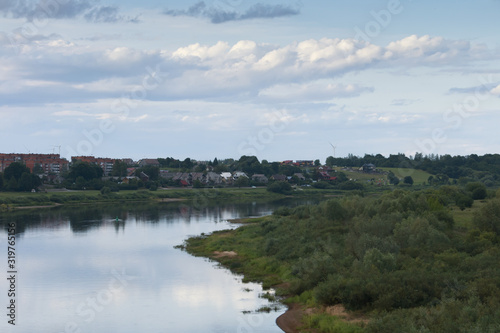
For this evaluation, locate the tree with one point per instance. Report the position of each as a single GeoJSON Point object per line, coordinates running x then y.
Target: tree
{"type": "Point", "coordinates": [105, 190]}
{"type": "Point", "coordinates": [317, 163]}
{"type": "Point", "coordinates": [477, 189]}
{"type": "Point", "coordinates": [11, 184]}
{"type": "Point", "coordinates": [408, 180]}
{"type": "Point", "coordinates": [25, 182]}
{"type": "Point", "coordinates": [242, 181]}
{"type": "Point", "coordinates": [152, 171]}
{"type": "Point", "coordinates": [488, 217]}
{"type": "Point", "coordinates": [280, 187]}
{"type": "Point", "coordinates": [119, 169]}
{"type": "Point", "coordinates": [187, 164]}
{"type": "Point", "coordinates": [85, 170]}
{"type": "Point", "coordinates": [392, 178]}
{"type": "Point", "coordinates": [38, 169]}
{"type": "Point", "coordinates": [15, 170]}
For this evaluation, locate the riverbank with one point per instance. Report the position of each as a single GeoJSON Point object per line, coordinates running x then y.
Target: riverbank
{"type": "Point", "coordinates": [28, 200]}
{"type": "Point", "coordinates": [398, 262]}
{"type": "Point", "coordinates": [201, 196]}
{"type": "Point", "coordinates": [239, 251]}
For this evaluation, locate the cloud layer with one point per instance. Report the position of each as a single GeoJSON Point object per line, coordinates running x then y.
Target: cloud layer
{"type": "Point", "coordinates": [245, 70]}
{"type": "Point", "coordinates": [221, 15]}
{"type": "Point", "coordinates": [63, 9]}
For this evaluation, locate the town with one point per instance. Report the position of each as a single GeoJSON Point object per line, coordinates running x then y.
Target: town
{"type": "Point", "coordinates": [89, 172]}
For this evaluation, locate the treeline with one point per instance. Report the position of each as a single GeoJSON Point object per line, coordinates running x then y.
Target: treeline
{"type": "Point", "coordinates": [484, 168]}
{"type": "Point", "coordinates": [18, 177]}
{"type": "Point", "coordinates": [401, 258]}
{"type": "Point", "coordinates": [248, 164]}
{"type": "Point", "coordinates": [89, 176]}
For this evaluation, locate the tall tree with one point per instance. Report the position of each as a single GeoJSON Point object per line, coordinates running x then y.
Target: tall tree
{"type": "Point", "coordinates": [15, 170]}
{"type": "Point", "coordinates": [119, 169]}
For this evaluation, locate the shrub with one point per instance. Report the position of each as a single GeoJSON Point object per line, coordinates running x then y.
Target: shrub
{"type": "Point", "coordinates": [280, 187]}
{"type": "Point", "coordinates": [479, 193]}
{"type": "Point", "coordinates": [105, 190]}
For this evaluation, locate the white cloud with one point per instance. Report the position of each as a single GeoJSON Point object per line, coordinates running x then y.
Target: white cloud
{"type": "Point", "coordinates": [311, 92]}
{"type": "Point", "coordinates": [243, 71]}
{"type": "Point", "coordinates": [496, 90]}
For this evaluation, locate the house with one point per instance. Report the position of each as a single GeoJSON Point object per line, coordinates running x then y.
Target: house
{"type": "Point", "coordinates": [184, 183]}
{"type": "Point", "coordinates": [213, 178]}
{"type": "Point", "coordinates": [144, 177]}
{"type": "Point", "coordinates": [300, 176]}
{"type": "Point", "coordinates": [128, 161]}
{"type": "Point", "coordinates": [325, 168]}
{"type": "Point", "coordinates": [149, 161]}
{"type": "Point", "coordinates": [260, 178]}
{"type": "Point", "coordinates": [181, 176]}
{"type": "Point", "coordinates": [238, 174]}
{"type": "Point", "coordinates": [227, 177]}
{"type": "Point", "coordinates": [304, 163]}
{"type": "Point", "coordinates": [199, 176]}
{"type": "Point", "coordinates": [126, 180]}
{"type": "Point", "coordinates": [131, 171]}
{"type": "Point", "coordinates": [368, 168]}
{"type": "Point", "coordinates": [326, 176]}
{"type": "Point", "coordinates": [167, 174]}
{"type": "Point", "coordinates": [279, 178]}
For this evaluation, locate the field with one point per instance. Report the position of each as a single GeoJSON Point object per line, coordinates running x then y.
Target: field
{"type": "Point", "coordinates": [419, 177]}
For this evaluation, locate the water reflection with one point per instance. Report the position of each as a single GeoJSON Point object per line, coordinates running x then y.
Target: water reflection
{"type": "Point", "coordinates": [84, 218]}
{"type": "Point", "coordinates": [69, 255]}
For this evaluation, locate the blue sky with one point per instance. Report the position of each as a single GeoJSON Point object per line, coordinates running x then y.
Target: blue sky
{"type": "Point", "coordinates": [224, 78]}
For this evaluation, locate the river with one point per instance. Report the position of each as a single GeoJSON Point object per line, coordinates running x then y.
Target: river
{"type": "Point", "coordinates": [79, 269]}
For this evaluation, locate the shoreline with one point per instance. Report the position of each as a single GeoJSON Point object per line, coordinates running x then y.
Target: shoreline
{"type": "Point", "coordinates": [291, 320]}
{"type": "Point", "coordinates": [162, 200]}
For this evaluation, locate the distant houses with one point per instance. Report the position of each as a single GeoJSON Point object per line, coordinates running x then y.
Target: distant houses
{"type": "Point", "coordinates": [278, 178]}
{"type": "Point", "coordinates": [368, 168]}
{"type": "Point", "coordinates": [149, 161]}
{"type": "Point", "coordinates": [260, 178]}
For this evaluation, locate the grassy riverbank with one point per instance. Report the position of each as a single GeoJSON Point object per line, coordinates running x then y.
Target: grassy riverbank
{"type": "Point", "coordinates": [24, 199]}
{"type": "Point", "coordinates": [399, 262]}
{"type": "Point", "coordinates": [13, 200]}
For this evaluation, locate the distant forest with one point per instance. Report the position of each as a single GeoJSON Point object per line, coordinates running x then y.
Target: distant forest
{"type": "Point", "coordinates": [484, 168]}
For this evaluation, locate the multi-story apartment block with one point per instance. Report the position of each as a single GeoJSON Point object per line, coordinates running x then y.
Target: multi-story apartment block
{"type": "Point", "coordinates": [48, 163]}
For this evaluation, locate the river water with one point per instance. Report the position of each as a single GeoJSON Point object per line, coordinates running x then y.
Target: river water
{"type": "Point", "coordinates": [80, 270]}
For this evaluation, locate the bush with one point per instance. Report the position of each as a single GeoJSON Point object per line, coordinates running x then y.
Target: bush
{"type": "Point", "coordinates": [479, 193]}
{"type": "Point", "coordinates": [488, 218]}
{"type": "Point", "coordinates": [464, 201]}
{"type": "Point", "coordinates": [351, 185]}
{"type": "Point", "coordinates": [280, 187]}
{"type": "Point", "coordinates": [408, 180]}
{"type": "Point", "coordinates": [105, 190]}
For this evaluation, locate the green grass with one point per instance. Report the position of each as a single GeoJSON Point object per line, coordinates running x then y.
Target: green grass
{"type": "Point", "coordinates": [463, 218]}
{"type": "Point", "coordinates": [360, 176]}
{"type": "Point", "coordinates": [325, 323]}
{"type": "Point", "coordinates": [202, 196]}
{"type": "Point", "coordinates": [419, 176]}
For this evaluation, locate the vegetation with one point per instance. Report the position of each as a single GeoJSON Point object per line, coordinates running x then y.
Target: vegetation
{"type": "Point", "coordinates": [17, 177]}
{"type": "Point", "coordinates": [485, 169]}
{"type": "Point", "coordinates": [400, 258]}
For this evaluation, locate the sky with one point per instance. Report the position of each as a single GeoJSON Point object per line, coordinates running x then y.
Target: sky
{"type": "Point", "coordinates": [281, 80]}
